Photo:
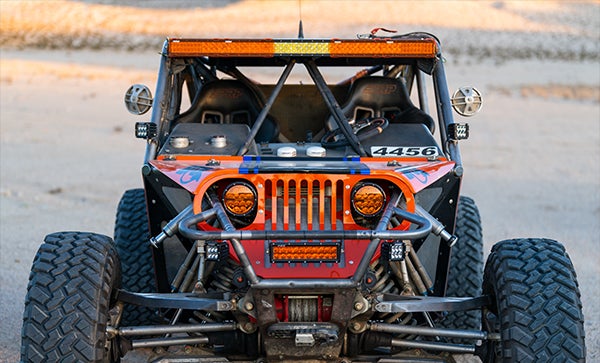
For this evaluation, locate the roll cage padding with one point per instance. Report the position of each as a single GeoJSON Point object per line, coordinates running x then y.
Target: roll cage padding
{"type": "Point", "coordinates": [229, 101]}
{"type": "Point", "coordinates": [377, 96]}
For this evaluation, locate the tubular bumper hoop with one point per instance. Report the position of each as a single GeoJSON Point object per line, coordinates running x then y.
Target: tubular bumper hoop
{"type": "Point", "coordinates": [187, 227]}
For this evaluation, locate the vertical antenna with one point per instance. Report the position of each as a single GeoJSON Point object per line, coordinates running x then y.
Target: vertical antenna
{"type": "Point", "coordinates": [300, 29]}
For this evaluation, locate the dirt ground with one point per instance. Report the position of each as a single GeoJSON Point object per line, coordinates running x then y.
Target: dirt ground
{"type": "Point", "coordinates": [67, 150]}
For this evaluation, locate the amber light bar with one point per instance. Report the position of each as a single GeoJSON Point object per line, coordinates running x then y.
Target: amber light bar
{"type": "Point", "coordinates": [353, 48]}
{"type": "Point", "coordinates": [305, 252]}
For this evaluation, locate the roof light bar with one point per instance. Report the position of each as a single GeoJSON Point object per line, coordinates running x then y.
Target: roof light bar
{"type": "Point", "coordinates": [353, 48]}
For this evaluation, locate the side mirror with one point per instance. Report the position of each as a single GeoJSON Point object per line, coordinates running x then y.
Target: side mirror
{"type": "Point", "coordinates": [138, 99]}
{"type": "Point", "coordinates": [467, 101]}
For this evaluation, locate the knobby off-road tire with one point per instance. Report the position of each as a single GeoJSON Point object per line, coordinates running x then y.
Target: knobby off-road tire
{"type": "Point", "coordinates": [466, 265]}
{"type": "Point", "coordinates": [536, 303]}
{"type": "Point", "coordinates": [132, 238]}
{"type": "Point", "coordinates": [70, 291]}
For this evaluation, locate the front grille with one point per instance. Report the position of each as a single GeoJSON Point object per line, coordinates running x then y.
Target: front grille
{"type": "Point", "coordinates": [303, 204]}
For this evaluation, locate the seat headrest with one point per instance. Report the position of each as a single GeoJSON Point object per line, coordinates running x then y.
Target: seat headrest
{"type": "Point", "coordinates": [377, 96]}
{"type": "Point", "coordinates": [229, 101]}
{"type": "Point", "coordinates": [233, 100]}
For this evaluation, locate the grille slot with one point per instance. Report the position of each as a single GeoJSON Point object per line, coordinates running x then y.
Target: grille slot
{"type": "Point", "coordinates": [303, 204]}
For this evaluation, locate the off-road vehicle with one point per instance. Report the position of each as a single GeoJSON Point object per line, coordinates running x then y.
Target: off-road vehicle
{"type": "Point", "coordinates": [314, 216]}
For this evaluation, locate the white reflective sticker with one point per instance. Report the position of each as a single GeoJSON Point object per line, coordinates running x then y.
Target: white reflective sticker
{"type": "Point", "coordinates": [404, 151]}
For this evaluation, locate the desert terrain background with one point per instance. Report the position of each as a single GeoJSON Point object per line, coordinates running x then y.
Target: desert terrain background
{"type": "Point", "coordinates": [67, 150]}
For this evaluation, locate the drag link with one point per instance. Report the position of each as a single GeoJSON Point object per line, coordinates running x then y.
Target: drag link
{"type": "Point", "coordinates": [427, 331]}
{"type": "Point", "coordinates": [172, 329]}
{"type": "Point", "coordinates": [162, 342]}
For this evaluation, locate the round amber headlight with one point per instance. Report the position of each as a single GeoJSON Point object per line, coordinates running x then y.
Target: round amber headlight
{"type": "Point", "coordinates": [239, 199]}
{"type": "Point", "coordinates": [368, 199]}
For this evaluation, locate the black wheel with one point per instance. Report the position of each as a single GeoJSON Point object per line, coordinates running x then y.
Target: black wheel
{"type": "Point", "coordinates": [536, 304]}
{"type": "Point", "coordinates": [71, 289]}
{"type": "Point", "coordinates": [132, 238]}
{"type": "Point", "coordinates": [466, 265]}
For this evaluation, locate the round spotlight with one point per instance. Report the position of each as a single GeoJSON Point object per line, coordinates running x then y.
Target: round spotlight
{"type": "Point", "coordinates": [239, 199]}
{"type": "Point", "coordinates": [368, 199]}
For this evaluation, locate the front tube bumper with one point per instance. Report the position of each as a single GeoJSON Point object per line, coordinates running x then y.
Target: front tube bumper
{"type": "Point", "coordinates": [188, 228]}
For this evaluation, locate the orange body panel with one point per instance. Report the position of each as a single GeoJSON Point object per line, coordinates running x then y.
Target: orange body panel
{"type": "Point", "coordinates": [302, 201]}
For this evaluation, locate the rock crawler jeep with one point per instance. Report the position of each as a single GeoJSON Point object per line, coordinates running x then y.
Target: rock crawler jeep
{"type": "Point", "coordinates": [301, 219]}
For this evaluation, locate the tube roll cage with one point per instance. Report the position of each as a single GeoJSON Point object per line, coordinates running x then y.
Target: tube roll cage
{"type": "Point", "coordinates": [186, 221]}
{"type": "Point", "coordinates": [162, 107]}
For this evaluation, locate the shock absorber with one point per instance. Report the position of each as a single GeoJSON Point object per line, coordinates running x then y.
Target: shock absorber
{"type": "Point", "coordinates": [183, 269]}
{"type": "Point", "coordinates": [384, 282]}
{"type": "Point", "coordinates": [223, 277]}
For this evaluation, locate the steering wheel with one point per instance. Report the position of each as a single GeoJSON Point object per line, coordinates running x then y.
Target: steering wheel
{"type": "Point", "coordinates": [363, 129]}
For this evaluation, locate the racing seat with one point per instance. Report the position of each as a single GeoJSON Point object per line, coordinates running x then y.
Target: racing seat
{"type": "Point", "coordinates": [229, 101]}
{"type": "Point", "coordinates": [377, 96]}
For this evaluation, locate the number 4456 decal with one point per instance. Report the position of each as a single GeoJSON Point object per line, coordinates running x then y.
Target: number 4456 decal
{"type": "Point", "coordinates": [406, 151]}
